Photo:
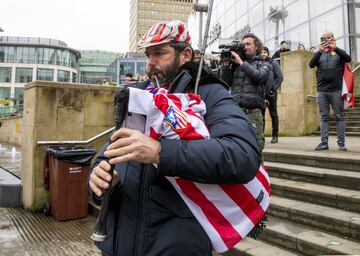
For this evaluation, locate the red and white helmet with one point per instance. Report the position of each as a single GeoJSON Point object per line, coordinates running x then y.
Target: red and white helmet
{"type": "Point", "coordinates": [165, 32]}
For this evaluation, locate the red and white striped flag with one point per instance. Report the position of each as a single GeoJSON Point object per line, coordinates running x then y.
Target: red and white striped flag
{"type": "Point", "coordinates": [227, 212]}
{"type": "Point", "coordinates": [348, 88]}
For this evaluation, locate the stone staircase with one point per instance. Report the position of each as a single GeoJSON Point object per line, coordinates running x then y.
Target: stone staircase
{"type": "Point", "coordinates": [315, 206]}
{"type": "Point", "coordinates": [352, 119]}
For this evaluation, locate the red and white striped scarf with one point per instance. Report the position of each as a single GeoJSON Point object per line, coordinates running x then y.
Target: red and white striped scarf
{"type": "Point", "coordinates": [227, 212]}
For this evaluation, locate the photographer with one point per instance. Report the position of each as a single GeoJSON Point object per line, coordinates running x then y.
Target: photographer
{"type": "Point", "coordinates": [329, 61]}
{"type": "Point", "coordinates": [248, 85]}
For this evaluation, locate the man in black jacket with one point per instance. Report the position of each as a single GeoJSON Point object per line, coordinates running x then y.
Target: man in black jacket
{"type": "Point", "coordinates": [147, 216]}
{"type": "Point", "coordinates": [330, 61]}
{"type": "Point", "coordinates": [248, 85]}
{"type": "Point", "coordinates": [283, 48]}
{"type": "Point", "coordinates": [273, 84]}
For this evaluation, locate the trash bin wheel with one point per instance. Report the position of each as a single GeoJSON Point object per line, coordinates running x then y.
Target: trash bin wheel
{"type": "Point", "coordinates": [46, 209]}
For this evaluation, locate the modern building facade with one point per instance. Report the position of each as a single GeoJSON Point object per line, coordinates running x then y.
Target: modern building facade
{"type": "Point", "coordinates": [145, 13]}
{"type": "Point", "coordinates": [26, 59]}
{"type": "Point", "coordinates": [296, 21]}
{"type": "Point", "coordinates": [94, 64]}
{"type": "Point", "coordinates": [132, 62]}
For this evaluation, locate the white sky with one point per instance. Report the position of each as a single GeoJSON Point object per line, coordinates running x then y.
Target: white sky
{"type": "Point", "coordinates": [81, 24]}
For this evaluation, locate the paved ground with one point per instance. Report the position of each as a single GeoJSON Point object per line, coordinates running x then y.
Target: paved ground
{"type": "Point", "coordinates": [23, 233]}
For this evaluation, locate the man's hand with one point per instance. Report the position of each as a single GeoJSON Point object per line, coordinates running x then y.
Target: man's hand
{"type": "Point", "coordinates": [236, 58]}
{"type": "Point", "coordinates": [100, 178]}
{"type": "Point", "coordinates": [323, 46]}
{"type": "Point", "coordinates": [132, 145]}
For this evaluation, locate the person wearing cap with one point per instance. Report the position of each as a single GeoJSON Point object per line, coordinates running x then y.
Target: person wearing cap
{"type": "Point", "coordinates": [273, 84]}
{"type": "Point", "coordinates": [147, 216]}
{"type": "Point", "coordinates": [283, 48]}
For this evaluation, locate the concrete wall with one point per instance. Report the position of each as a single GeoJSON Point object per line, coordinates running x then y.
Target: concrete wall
{"type": "Point", "coordinates": [297, 108]}
{"type": "Point", "coordinates": [59, 111]}
{"type": "Point", "coordinates": [11, 130]}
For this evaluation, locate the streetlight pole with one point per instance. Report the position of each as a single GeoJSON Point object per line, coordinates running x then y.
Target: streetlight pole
{"type": "Point", "coordinates": [201, 8]}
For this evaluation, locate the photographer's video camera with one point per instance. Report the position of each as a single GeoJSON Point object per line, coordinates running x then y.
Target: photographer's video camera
{"type": "Point", "coordinates": [235, 46]}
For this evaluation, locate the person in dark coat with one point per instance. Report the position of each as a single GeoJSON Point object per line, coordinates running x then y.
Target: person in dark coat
{"type": "Point", "coordinates": [273, 84]}
{"type": "Point", "coordinates": [147, 216]}
{"type": "Point", "coordinates": [330, 61]}
{"type": "Point", "coordinates": [248, 85]}
{"type": "Point", "coordinates": [283, 48]}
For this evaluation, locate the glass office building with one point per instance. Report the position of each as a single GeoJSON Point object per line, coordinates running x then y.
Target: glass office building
{"type": "Point", "coordinates": [296, 21]}
{"type": "Point", "coordinates": [94, 64]}
{"type": "Point", "coordinates": [26, 59]}
{"type": "Point", "coordinates": [132, 62]}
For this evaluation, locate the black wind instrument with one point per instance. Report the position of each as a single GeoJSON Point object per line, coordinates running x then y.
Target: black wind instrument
{"type": "Point", "coordinates": [121, 100]}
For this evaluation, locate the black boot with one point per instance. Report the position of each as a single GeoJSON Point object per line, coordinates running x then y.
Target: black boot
{"type": "Point", "coordinates": [274, 140]}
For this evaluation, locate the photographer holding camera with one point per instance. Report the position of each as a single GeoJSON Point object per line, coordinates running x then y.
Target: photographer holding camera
{"type": "Point", "coordinates": [250, 73]}
{"type": "Point", "coordinates": [330, 61]}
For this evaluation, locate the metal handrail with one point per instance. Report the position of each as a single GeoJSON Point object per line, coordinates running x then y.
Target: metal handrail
{"type": "Point", "coordinates": [75, 142]}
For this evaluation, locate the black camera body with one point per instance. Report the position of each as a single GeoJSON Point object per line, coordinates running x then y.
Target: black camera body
{"type": "Point", "coordinates": [235, 46]}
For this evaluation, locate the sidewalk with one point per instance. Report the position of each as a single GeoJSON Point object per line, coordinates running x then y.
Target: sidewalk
{"type": "Point", "coordinates": [23, 233]}
{"type": "Point", "coordinates": [306, 145]}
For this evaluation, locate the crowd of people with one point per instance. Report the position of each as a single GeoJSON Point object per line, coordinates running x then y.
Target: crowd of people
{"type": "Point", "coordinates": [147, 216]}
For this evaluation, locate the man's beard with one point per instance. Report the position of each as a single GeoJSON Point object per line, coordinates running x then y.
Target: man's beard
{"type": "Point", "coordinates": [250, 55]}
{"type": "Point", "coordinates": [166, 75]}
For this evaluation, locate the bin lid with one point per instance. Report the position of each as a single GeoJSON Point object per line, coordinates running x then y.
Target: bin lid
{"type": "Point", "coordinates": [74, 155]}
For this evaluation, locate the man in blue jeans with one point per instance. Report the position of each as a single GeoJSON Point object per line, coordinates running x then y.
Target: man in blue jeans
{"type": "Point", "coordinates": [329, 61]}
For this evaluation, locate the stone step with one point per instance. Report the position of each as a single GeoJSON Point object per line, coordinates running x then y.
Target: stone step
{"type": "Point", "coordinates": [306, 241]}
{"type": "Point", "coordinates": [322, 176]}
{"type": "Point", "coordinates": [347, 129]}
{"type": "Point", "coordinates": [10, 189]}
{"type": "Point", "coordinates": [327, 219]}
{"type": "Point", "coordinates": [337, 160]}
{"type": "Point", "coordinates": [251, 247]}
{"type": "Point", "coordinates": [339, 198]}
{"type": "Point", "coordinates": [348, 123]}
{"type": "Point", "coordinates": [333, 133]}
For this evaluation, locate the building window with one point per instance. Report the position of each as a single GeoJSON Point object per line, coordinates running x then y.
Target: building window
{"type": "Point", "coordinates": [74, 77]}
{"type": "Point", "coordinates": [45, 74]}
{"type": "Point", "coordinates": [5, 92]}
{"type": "Point", "coordinates": [46, 56]}
{"type": "Point", "coordinates": [23, 75]}
{"type": "Point", "coordinates": [5, 74]}
{"type": "Point", "coordinates": [7, 54]}
{"type": "Point", "coordinates": [63, 76]}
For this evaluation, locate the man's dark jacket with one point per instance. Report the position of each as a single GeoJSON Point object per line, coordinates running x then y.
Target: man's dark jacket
{"type": "Point", "coordinates": [330, 69]}
{"type": "Point", "coordinates": [248, 87]}
{"type": "Point", "coordinates": [275, 77]}
{"type": "Point", "coordinates": [147, 216]}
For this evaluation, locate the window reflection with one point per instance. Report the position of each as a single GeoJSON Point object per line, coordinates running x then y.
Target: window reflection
{"type": "Point", "coordinates": [23, 75]}
{"type": "Point", "coordinates": [328, 22]}
{"type": "Point", "coordinates": [274, 25]}
{"type": "Point", "coordinates": [63, 76]}
{"type": "Point", "coordinates": [319, 7]}
{"type": "Point", "coordinates": [5, 74]}
{"type": "Point", "coordinates": [256, 14]}
{"type": "Point", "coordinates": [241, 7]}
{"type": "Point", "coordinates": [296, 13]}
{"type": "Point", "coordinates": [298, 35]}
{"type": "Point", "coordinates": [45, 74]}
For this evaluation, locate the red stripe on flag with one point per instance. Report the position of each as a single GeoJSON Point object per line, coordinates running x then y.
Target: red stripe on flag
{"type": "Point", "coordinates": [223, 227]}
{"type": "Point", "coordinates": [264, 181]}
{"type": "Point", "coordinates": [244, 199]}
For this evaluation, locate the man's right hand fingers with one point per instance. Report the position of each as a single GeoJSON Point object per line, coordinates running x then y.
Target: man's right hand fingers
{"type": "Point", "coordinates": [102, 170]}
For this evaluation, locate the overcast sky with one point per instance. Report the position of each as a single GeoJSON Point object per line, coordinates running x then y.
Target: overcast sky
{"type": "Point", "coordinates": [81, 24]}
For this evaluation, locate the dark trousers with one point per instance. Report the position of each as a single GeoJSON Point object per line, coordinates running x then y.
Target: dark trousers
{"type": "Point", "coordinates": [325, 99]}
{"type": "Point", "coordinates": [272, 106]}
